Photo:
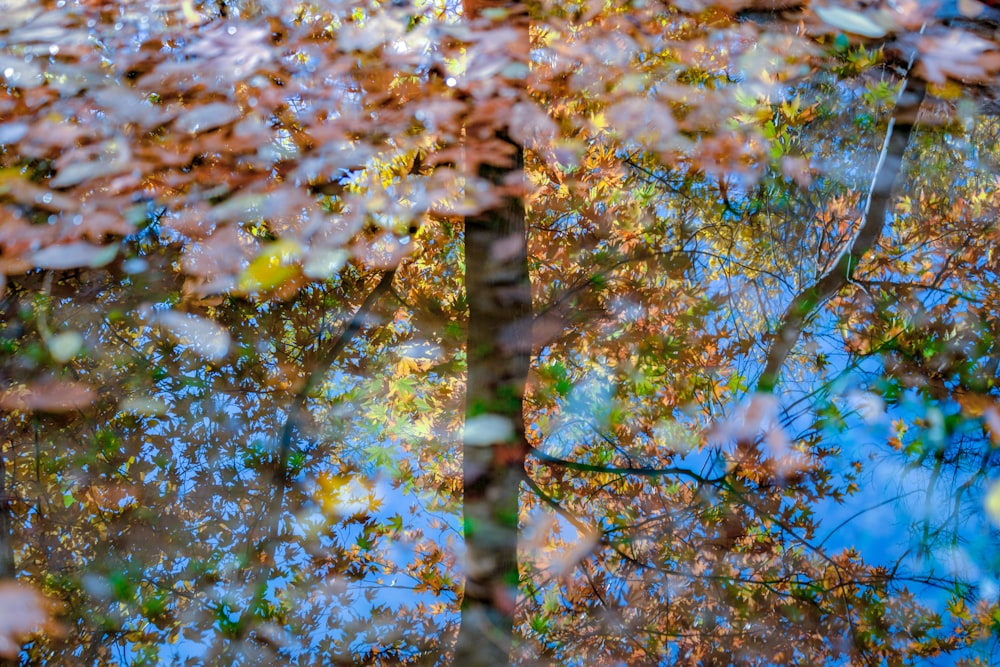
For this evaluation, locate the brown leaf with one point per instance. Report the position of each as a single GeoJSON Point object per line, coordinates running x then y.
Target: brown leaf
{"type": "Point", "coordinates": [959, 55]}
{"type": "Point", "coordinates": [48, 396]}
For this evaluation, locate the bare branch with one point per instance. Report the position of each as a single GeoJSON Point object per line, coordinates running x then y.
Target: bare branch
{"type": "Point", "coordinates": [886, 175]}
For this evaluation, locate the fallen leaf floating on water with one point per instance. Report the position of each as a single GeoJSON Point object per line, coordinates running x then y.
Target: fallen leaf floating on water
{"type": "Point", "coordinates": [850, 21]}
{"type": "Point", "coordinates": [74, 256]}
{"type": "Point", "coordinates": [486, 430]}
{"type": "Point", "coordinates": [203, 336]}
{"type": "Point", "coordinates": [23, 613]}
{"type": "Point", "coordinates": [959, 55]}
{"type": "Point", "coordinates": [48, 396]}
{"type": "Point", "coordinates": [65, 346]}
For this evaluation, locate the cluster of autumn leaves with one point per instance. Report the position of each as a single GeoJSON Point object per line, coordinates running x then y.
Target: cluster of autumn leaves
{"type": "Point", "coordinates": [197, 201]}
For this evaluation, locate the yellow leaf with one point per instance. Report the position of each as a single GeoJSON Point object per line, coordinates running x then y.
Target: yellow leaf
{"type": "Point", "coordinates": [407, 366]}
{"type": "Point", "coordinates": [190, 14]}
{"type": "Point", "coordinates": [992, 504]}
{"type": "Point", "coordinates": [344, 495]}
{"type": "Point", "coordinates": [272, 268]}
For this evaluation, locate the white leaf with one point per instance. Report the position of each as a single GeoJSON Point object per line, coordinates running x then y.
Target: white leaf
{"type": "Point", "coordinates": [111, 157]}
{"type": "Point", "coordinates": [850, 21]}
{"type": "Point", "coordinates": [208, 117]}
{"type": "Point", "coordinates": [992, 504]}
{"type": "Point", "coordinates": [205, 338]}
{"type": "Point", "coordinates": [486, 430]}
{"type": "Point", "coordinates": [870, 407]}
{"type": "Point", "coordinates": [64, 346]}
{"type": "Point", "coordinates": [20, 73]}
{"type": "Point", "coordinates": [143, 406]}
{"type": "Point", "coordinates": [74, 256]}
{"type": "Point", "coordinates": [323, 263]}
{"type": "Point", "coordinates": [11, 133]}
{"type": "Point", "coordinates": [23, 612]}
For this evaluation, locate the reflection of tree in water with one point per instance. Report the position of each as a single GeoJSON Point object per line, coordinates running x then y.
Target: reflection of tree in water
{"type": "Point", "coordinates": [810, 525]}
{"type": "Point", "coordinates": [273, 475]}
{"type": "Point", "coordinates": [166, 523]}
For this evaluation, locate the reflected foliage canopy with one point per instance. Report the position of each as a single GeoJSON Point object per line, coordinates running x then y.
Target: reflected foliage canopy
{"type": "Point", "coordinates": [263, 263]}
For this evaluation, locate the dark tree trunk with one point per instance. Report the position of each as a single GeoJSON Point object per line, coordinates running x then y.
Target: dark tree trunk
{"type": "Point", "coordinates": [499, 349]}
{"type": "Point", "coordinates": [7, 567]}
{"type": "Point", "coordinates": [499, 345]}
{"type": "Point", "coordinates": [887, 173]}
